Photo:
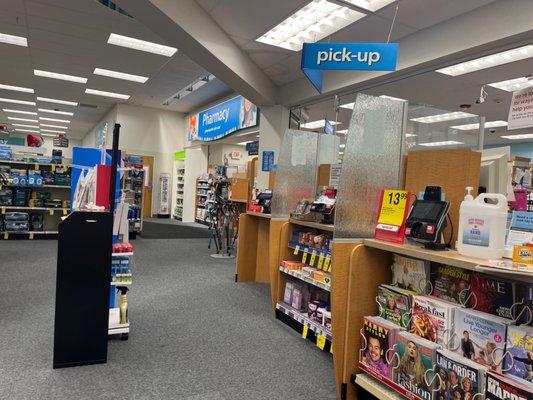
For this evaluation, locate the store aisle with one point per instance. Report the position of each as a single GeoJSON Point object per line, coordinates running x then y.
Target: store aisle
{"type": "Point", "coordinates": [196, 335]}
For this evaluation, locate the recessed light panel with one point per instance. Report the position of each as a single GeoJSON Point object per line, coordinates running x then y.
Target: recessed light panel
{"type": "Point", "coordinates": [48, 100]}
{"type": "Point", "coordinates": [27, 130]}
{"type": "Point", "coordinates": [492, 60]}
{"type": "Point", "coordinates": [410, 135]}
{"type": "Point", "coordinates": [51, 130]}
{"type": "Point", "coordinates": [142, 45]}
{"type": "Point", "coordinates": [49, 134]}
{"type": "Point", "coordinates": [16, 88]}
{"type": "Point", "coordinates": [471, 127]}
{"type": "Point", "coordinates": [315, 21]}
{"type": "Point", "coordinates": [63, 77]}
{"type": "Point", "coordinates": [518, 137]}
{"type": "Point", "coordinates": [384, 96]}
{"type": "Point", "coordinates": [22, 119]}
{"type": "Point", "coordinates": [348, 106]}
{"type": "Point", "coordinates": [107, 94]}
{"type": "Point", "coordinates": [15, 101]}
{"type": "Point", "coordinates": [9, 110]}
{"type": "Point", "coordinates": [370, 5]}
{"type": "Point", "coordinates": [49, 110]}
{"type": "Point", "coordinates": [26, 126]}
{"type": "Point", "coordinates": [512, 85]}
{"type": "Point", "coordinates": [12, 39]}
{"type": "Point", "coordinates": [343, 131]}
{"type": "Point", "coordinates": [443, 117]}
{"type": "Point", "coordinates": [444, 143]}
{"type": "Point", "coordinates": [120, 75]}
{"type": "Point", "coordinates": [55, 126]}
{"type": "Point", "coordinates": [54, 120]}
{"type": "Point", "coordinates": [317, 124]}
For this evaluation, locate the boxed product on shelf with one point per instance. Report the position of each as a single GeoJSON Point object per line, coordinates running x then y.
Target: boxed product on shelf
{"type": "Point", "coordinates": [394, 304]}
{"type": "Point", "coordinates": [36, 222]}
{"type": "Point", "coordinates": [432, 319]}
{"type": "Point", "coordinates": [518, 360]}
{"type": "Point", "coordinates": [16, 216]}
{"type": "Point", "coordinates": [450, 283]}
{"type": "Point", "coordinates": [410, 273]}
{"type": "Point", "coordinates": [500, 387]}
{"type": "Point", "coordinates": [292, 265]}
{"type": "Point", "coordinates": [35, 178]}
{"type": "Point", "coordinates": [35, 203]}
{"type": "Point", "coordinates": [379, 336]}
{"type": "Point", "coordinates": [61, 179]}
{"type": "Point", "coordinates": [322, 277]}
{"type": "Point", "coordinates": [315, 310]}
{"type": "Point", "coordinates": [19, 177]}
{"type": "Point", "coordinates": [6, 197]}
{"type": "Point", "coordinates": [492, 295]}
{"type": "Point", "coordinates": [300, 296]}
{"type": "Point", "coordinates": [460, 377]}
{"type": "Point", "coordinates": [48, 177]}
{"type": "Point", "coordinates": [53, 203]}
{"type": "Point", "coordinates": [20, 197]}
{"type": "Point", "coordinates": [5, 153]}
{"type": "Point", "coordinates": [16, 226]}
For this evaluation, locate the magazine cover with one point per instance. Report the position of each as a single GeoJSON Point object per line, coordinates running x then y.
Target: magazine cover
{"type": "Point", "coordinates": [450, 283]}
{"type": "Point", "coordinates": [492, 295]}
{"type": "Point", "coordinates": [394, 304]}
{"type": "Point", "coordinates": [416, 356]}
{"type": "Point", "coordinates": [460, 378]}
{"type": "Point", "coordinates": [519, 359]}
{"type": "Point", "coordinates": [480, 337]}
{"type": "Point", "coordinates": [410, 273]}
{"type": "Point", "coordinates": [499, 387]}
{"type": "Point", "coordinates": [379, 334]}
{"type": "Point", "coordinates": [524, 294]}
{"type": "Point", "coordinates": [432, 318]}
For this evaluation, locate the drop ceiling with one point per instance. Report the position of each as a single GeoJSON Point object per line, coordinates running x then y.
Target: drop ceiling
{"type": "Point", "coordinates": [70, 37]}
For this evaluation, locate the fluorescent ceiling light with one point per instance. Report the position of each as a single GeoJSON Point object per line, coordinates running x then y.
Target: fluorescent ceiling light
{"type": "Point", "coordinates": [315, 21]}
{"type": "Point", "coordinates": [107, 94]}
{"type": "Point", "coordinates": [349, 106]}
{"type": "Point", "coordinates": [12, 39]}
{"type": "Point", "coordinates": [120, 75]}
{"type": "Point", "coordinates": [493, 60]}
{"type": "Point", "coordinates": [142, 45]}
{"type": "Point", "coordinates": [342, 146]}
{"type": "Point", "coordinates": [384, 96]}
{"type": "Point", "coordinates": [29, 103]}
{"type": "Point", "coordinates": [27, 130]}
{"type": "Point", "coordinates": [16, 88]}
{"type": "Point", "coordinates": [55, 126]}
{"type": "Point", "coordinates": [470, 127]}
{"type": "Point", "coordinates": [370, 5]}
{"type": "Point", "coordinates": [23, 119]}
{"type": "Point", "coordinates": [341, 152]}
{"type": "Point", "coordinates": [48, 100]}
{"type": "Point", "coordinates": [55, 120]}
{"type": "Point", "coordinates": [48, 110]}
{"type": "Point", "coordinates": [245, 143]}
{"type": "Point", "coordinates": [443, 117]}
{"type": "Point", "coordinates": [512, 85]}
{"type": "Point", "coordinates": [518, 137]}
{"type": "Point", "coordinates": [26, 126]}
{"type": "Point", "coordinates": [63, 77]}
{"type": "Point", "coordinates": [51, 130]}
{"type": "Point", "coordinates": [317, 124]}
{"type": "Point", "coordinates": [8, 110]}
{"type": "Point", "coordinates": [343, 131]}
{"type": "Point", "coordinates": [410, 135]}
{"type": "Point", "coordinates": [444, 143]}
{"type": "Point", "coordinates": [49, 134]}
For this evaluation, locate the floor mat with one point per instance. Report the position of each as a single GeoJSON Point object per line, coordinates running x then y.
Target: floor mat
{"type": "Point", "coordinates": [155, 230]}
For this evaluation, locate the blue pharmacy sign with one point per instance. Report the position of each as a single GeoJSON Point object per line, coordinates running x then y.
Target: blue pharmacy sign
{"type": "Point", "coordinates": [319, 57]}
{"type": "Point", "coordinates": [268, 161]}
{"type": "Point", "coordinates": [223, 119]}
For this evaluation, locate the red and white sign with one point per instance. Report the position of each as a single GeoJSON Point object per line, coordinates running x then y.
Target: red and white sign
{"type": "Point", "coordinates": [521, 110]}
{"type": "Point", "coordinates": [235, 155]}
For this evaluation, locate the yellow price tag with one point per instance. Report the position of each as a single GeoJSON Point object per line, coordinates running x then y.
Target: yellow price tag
{"type": "Point", "coordinates": [393, 207]}
{"type": "Point", "coordinates": [326, 263]}
{"type": "Point", "coordinates": [3, 210]}
{"type": "Point", "coordinates": [51, 212]}
{"type": "Point", "coordinates": [320, 261]}
{"type": "Point", "coordinates": [31, 235]}
{"type": "Point", "coordinates": [36, 167]}
{"type": "Point", "coordinates": [321, 342]}
{"type": "Point", "coordinates": [304, 257]}
{"type": "Point", "coordinates": [331, 348]}
{"type": "Point", "coordinates": [304, 331]}
{"type": "Point", "coordinates": [296, 250]}
{"type": "Point", "coordinates": [312, 259]}
{"type": "Point", "coordinates": [53, 166]}
{"type": "Point", "coordinates": [6, 235]}
{"type": "Point", "coordinates": [64, 211]}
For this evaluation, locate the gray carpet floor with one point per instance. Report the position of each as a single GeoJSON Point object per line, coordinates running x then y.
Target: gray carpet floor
{"type": "Point", "coordinates": [196, 335]}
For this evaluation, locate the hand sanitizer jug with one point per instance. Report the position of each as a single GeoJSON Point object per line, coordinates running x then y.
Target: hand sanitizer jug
{"type": "Point", "coordinates": [482, 226]}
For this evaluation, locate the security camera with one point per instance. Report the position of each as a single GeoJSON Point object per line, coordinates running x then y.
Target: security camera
{"type": "Point", "coordinates": [482, 95]}
{"type": "Point", "coordinates": [492, 130]}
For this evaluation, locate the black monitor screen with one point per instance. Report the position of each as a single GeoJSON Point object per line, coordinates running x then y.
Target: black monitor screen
{"type": "Point", "coordinates": [427, 211]}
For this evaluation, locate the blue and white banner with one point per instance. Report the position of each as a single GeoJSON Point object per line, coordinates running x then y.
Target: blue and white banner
{"type": "Point", "coordinates": [223, 119]}
{"type": "Point", "coordinates": [318, 57]}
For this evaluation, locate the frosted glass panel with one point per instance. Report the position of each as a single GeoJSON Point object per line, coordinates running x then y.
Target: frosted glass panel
{"type": "Point", "coordinates": [372, 161]}
{"type": "Point", "coordinates": [296, 171]}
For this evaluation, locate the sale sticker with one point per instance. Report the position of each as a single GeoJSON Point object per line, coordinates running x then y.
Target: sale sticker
{"type": "Point", "coordinates": [393, 206]}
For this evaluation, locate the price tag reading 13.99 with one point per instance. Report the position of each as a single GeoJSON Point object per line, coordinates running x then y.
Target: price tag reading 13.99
{"type": "Point", "coordinates": [392, 209]}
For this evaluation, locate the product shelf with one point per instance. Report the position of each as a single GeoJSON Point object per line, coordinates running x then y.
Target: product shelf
{"type": "Point", "coordinates": [129, 254]}
{"type": "Point", "coordinates": [36, 164]}
{"type": "Point", "coordinates": [115, 327]}
{"type": "Point", "coordinates": [63, 210]}
{"type": "Point", "coordinates": [5, 234]}
{"type": "Point", "coordinates": [127, 284]}
{"type": "Point", "coordinates": [376, 388]}
{"type": "Point", "coordinates": [307, 249]}
{"type": "Point", "coordinates": [304, 320]}
{"type": "Point", "coordinates": [36, 187]}
{"type": "Point", "coordinates": [310, 224]}
{"type": "Point", "coordinates": [299, 275]}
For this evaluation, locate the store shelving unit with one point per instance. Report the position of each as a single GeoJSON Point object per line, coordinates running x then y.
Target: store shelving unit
{"type": "Point", "coordinates": [202, 193]}
{"type": "Point", "coordinates": [375, 388]}
{"type": "Point", "coordinates": [180, 188]}
{"type": "Point", "coordinates": [115, 327]}
{"type": "Point", "coordinates": [134, 195]}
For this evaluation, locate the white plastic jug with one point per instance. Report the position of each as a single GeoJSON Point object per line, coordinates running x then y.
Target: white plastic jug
{"type": "Point", "coordinates": [482, 226]}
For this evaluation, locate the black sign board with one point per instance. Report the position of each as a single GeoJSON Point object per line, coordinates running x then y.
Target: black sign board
{"type": "Point", "coordinates": [60, 142]}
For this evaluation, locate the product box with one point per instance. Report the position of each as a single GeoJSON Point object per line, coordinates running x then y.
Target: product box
{"type": "Point", "coordinates": [380, 336]}
{"type": "Point", "coordinates": [460, 378]}
{"type": "Point", "coordinates": [410, 273]}
{"type": "Point", "coordinates": [327, 319]}
{"type": "Point", "coordinates": [293, 265]}
{"type": "Point", "coordinates": [480, 337]}
{"type": "Point", "coordinates": [322, 277]}
{"type": "Point", "coordinates": [492, 295]}
{"type": "Point", "coordinates": [308, 271]}
{"type": "Point", "coordinates": [450, 283]}
{"type": "Point", "coordinates": [432, 319]}
{"type": "Point", "coordinates": [394, 304]}
{"type": "Point", "coordinates": [500, 387]}
{"type": "Point", "coordinates": [6, 197]}
{"type": "Point", "coordinates": [518, 360]}
{"type": "Point", "coordinates": [287, 295]}
{"type": "Point", "coordinates": [415, 357]}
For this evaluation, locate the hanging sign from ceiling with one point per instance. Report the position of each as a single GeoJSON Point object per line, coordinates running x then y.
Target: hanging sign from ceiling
{"type": "Point", "coordinates": [319, 57]}
{"type": "Point", "coordinates": [521, 110]}
{"type": "Point", "coordinates": [223, 119]}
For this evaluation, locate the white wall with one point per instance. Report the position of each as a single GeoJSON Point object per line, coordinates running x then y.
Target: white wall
{"type": "Point", "coordinates": [110, 118]}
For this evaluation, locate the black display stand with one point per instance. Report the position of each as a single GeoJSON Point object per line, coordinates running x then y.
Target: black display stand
{"type": "Point", "coordinates": [82, 289]}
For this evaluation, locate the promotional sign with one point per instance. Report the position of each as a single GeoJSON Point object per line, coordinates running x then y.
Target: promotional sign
{"type": "Point", "coordinates": [164, 190]}
{"type": "Point", "coordinates": [60, 142]}
{"type": "Point", "coordinates": [223, 119]}
{"type": "Point", "coordinates": [252, 148]}
{"type": "Point", "coordinates": [268, 161]}
{"type": "Point", "coordinates": [318, 57]}
{"type": "Point", "coordinates": [521, 110]}
{"type": "Point", "coordinates": [393, 210]}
